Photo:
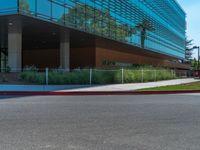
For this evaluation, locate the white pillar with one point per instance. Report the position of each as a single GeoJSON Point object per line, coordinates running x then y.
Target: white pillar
{"type": "Point", "coordinates": [15, 44]}
{"type": "Point", "coordinates": [64, 50]}
{"type": "Point", "coordinates": [2, 44]}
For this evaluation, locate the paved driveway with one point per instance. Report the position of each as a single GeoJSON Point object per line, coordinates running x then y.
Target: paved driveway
{"type": "Point", "coordinates": [170, 122]}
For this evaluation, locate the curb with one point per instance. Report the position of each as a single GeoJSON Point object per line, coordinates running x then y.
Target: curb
{"type": "Point", "coordinates": [92, 93]}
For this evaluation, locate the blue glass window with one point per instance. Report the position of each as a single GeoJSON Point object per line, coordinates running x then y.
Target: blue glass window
{"type": "Point", "coordinates": [115, 19]}
{"type": "Point", "coordinates": [8, 7]}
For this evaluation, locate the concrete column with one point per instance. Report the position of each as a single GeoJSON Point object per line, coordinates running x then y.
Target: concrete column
{"type": "Point", "coordinates": [2, 37]}
{"type": "Point", "coordinates": [2, 44]}
{"type": "Point", "coordinates": [15, 44]}
{"type": "Point", "coordinates": [65, 50]}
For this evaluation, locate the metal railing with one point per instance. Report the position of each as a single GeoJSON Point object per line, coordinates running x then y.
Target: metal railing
{"type": "Point", "coordinates": [123, 75]}
{"type": "Point", "coordinates": [122, 72]}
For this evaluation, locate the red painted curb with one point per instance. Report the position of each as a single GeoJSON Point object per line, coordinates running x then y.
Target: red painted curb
{"type": "Point", "coordinates": [90, 93]}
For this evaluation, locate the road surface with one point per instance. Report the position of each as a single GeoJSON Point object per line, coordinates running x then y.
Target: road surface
{"type": "Point", "coordinates": [156, 122]}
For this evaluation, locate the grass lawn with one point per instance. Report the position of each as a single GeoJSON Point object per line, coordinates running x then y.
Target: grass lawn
{"type": "Point", "coordinates": [188, 86]}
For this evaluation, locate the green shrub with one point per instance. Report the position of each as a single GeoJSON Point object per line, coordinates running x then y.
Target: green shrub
{"type": "Point", "coordinates": [76, 77]}
{"type": "Point", "coordinates": [131, 75]}
{"type": "Point", "coordinates": [104, 77]}
{"type": "Point", "coordinates": [8, 69]}
{"type": "Point", "coordinates": [30, 69]}
{"type": "Point", "coordinates": [31, 74]}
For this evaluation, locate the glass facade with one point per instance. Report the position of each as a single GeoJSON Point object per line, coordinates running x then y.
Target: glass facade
{"type": "Point", "coordinates": [157, 26]}
{"type": "Point", "coordinates": [8, 7]}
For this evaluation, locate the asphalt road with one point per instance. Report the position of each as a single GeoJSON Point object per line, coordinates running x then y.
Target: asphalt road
{"type": "Point", "coordinates": [170, 122]}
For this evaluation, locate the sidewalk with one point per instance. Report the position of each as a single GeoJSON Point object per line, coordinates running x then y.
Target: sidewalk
{"type": "Point", "coordinates": [93, 88]}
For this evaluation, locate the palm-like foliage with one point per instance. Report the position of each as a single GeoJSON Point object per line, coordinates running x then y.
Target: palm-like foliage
{"type": "Point", "coordinates": [143, 27]}
{"type": "Point", "coordinates": [188, 50]}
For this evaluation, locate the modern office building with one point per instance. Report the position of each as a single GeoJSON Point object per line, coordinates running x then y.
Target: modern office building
{"type": "Point", "coordinates": [91, 33]}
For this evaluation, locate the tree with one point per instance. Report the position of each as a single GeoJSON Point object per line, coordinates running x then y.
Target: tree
{"type": "Point", "coordinates": [194, 64]}
{"type": "Point", "coordinates": [143, 27]}
{"type": "Point", "coordinates": [188, 50]}
{"type": "Point", "coordinates": [101, 22]}
{"type": "Point", "coordinates": [24, 6]}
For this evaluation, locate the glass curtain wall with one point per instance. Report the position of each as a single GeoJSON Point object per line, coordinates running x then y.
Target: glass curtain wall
{"type": "Point", "coordinates": [8, 7]}
{"type": "Point", "coordinates": [154, 25]}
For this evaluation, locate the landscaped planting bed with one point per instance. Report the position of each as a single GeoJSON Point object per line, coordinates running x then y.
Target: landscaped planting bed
{"type": "Point", "coordinates": [98, 76]}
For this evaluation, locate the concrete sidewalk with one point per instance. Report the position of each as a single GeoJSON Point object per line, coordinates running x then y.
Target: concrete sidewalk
{"type": "Point", "coordinates": [136, 86]}
{"type": "Point", "coordinates": [93, 88]}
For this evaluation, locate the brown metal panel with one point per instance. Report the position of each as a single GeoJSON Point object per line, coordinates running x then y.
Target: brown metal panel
{"type": "Point", "coordinates": [41, 58]}
{"type": "Point", "coordinates": [118, 52]}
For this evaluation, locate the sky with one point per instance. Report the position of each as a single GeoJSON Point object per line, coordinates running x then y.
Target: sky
{"type": "Point", "coordinates": [192, 9]}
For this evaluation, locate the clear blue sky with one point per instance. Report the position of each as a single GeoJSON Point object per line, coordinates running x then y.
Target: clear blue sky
{"type": "Point", "coordinates": [192, 8]}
